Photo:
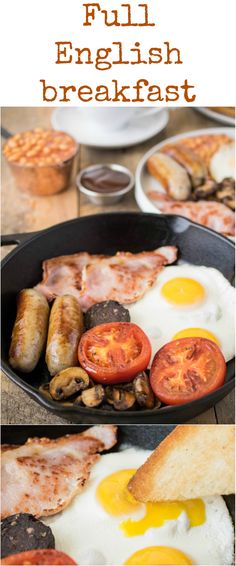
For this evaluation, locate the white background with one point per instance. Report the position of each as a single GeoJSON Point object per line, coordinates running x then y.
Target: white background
{"type": "Point", "coordinates": [203, 30]}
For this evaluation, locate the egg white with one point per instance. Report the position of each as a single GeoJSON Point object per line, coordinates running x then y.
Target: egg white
{"type": "Point", "coordinates": [92, 537]}
{"type": "Point", "coordinates": [161, 320]}
{"type": "Point", "coordinates": [222, 163]}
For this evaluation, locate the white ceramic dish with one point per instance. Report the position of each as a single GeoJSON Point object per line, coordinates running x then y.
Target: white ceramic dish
{"type": "Point", "coordinates": [223, 118]}
{"type": "Point", "coordinates": [74, 122]}
{"type": "Point", "coordinates": [142, 178]}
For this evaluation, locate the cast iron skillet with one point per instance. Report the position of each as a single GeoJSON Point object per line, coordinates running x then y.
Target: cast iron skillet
{"type": "Point", "coordinates": [147, 437]}
{"type": "Point", "coordinates": [106, 234]}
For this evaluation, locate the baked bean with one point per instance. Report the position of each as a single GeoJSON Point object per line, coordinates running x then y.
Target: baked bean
{"type": "Point", "coordinates": [41, 160]}
{"type": "Point", "coordinates": [40, 143]}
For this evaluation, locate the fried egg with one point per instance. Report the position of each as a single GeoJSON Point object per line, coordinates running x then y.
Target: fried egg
{"type": "Point", "coordinates": [222, 163]}
{"type": "Point", "coordinates": [188, 300]}
{"type": "Point", "coordinates": [105, 525]}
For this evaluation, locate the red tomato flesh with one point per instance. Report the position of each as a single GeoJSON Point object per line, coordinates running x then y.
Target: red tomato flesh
{"type": "Point", "coordinates": [187, 369]}
{"type": "Point", "coordinates": [39, 557]}
{"type": "Point", "coordinates": [114, 352]}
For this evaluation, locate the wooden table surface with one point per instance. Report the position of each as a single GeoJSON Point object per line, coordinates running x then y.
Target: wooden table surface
{"type": "Point", "coordinates": [24, 213]}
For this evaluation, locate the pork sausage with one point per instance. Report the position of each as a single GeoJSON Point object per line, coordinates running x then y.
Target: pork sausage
{"type": "Point", "coordinates": [172, 176]}
{"type": "Point", "coordinates": [65, 329]}
{"type": "Point", "coordinates": [30, 330]}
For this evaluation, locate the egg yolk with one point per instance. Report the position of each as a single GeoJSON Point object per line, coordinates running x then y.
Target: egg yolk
{"type": "Point", "coordinates": [114, 496]}
{"type": "Point", "coordinates": [157, 513]}
{"type": "Point", "coordinates": [162, 555]}
{"type": "Point", "coordinates": [183, 291]}
{"type": "Point", "coordinates": [196, 333]}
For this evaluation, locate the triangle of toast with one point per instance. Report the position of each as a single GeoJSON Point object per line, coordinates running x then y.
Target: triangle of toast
{"type": "Point", "coordinates": [191, 462]}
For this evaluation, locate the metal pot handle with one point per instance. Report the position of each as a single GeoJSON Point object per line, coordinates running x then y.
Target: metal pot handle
{"type": "Point", "coordinates": [16, 239]}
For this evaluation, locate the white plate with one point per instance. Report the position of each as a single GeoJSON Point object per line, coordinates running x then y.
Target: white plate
{"type": "Point", "coordinates": [223, 118]}
{"type": "Point", "coordinates": [72, 121]}
{"type": "Point", "coordinates": [142, 177]}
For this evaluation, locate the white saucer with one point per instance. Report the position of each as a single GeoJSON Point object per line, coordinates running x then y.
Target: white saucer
{"type": "Point", "coordinates": [143, 180]}
{"type": "Point", "coordinates": [73, 121]}
{"type": "Point", "coordinates": [217, 116]}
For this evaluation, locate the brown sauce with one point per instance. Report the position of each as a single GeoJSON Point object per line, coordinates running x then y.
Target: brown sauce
{"type": "Point", "coordinates": [105, 180]}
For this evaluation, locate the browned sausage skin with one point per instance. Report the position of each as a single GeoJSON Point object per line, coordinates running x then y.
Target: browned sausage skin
{"type": "Point", "coordinates": [30, 330]}
{"type": "Point", "coordinates": [193, 164]}
{"type": "Point", "coordinates": [65, 329]}
{"type": "Point", "coordinates": [172, 176]}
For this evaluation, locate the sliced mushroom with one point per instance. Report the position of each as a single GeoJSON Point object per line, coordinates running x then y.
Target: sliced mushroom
{"type": "Point", "coordinates": [206, 190]}
{"type": "Point", "coordinates": [126, 386]}
{"type": "Point", "coordinates": [228, 182]}
{"type": "Point", "coordinates": [121, 399]}
{"type": "Point", "coordinates": [225, 192]}
{"type": "Point", "coordinates": [94, 396]}
{"type": "Point", "coordinates": [230, 202]}
{"type": "Point", "coordinates": [78, 400]}
{"type": "Point", "coordinates": [143, 391]}
{"type": "Point", "coordinates": [109, 394]}
{"type": "Point", "coordinates": [157, 403]}
{"type": "Point", "coordinates": [68, 382]}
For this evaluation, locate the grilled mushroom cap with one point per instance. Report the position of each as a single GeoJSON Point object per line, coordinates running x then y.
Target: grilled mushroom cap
{"type": "Point", "coordinates": [109, 394]}
{"type": "Point", "coordinates": [228, 182]}
{"type": "Point", "coordinates": [94, 396]}
{"type": "Point", "coordinates": [68, 382]}
{"type": "Point", "coordinates": [157, 403]}
{"type": "Point", "coordinates": [206, 190]}
{"type": "Point", "coordinates": [121, 399]}
{"type": "Point", "coordinates": [143, 391]}
{"type": "Point", "coordinates": [224, 192]}
{"type": "Point", "coordinates": [230, 202]}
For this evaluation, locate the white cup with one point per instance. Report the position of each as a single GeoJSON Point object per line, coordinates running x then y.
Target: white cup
{"type": "Point", "coordinates": [116, 118]}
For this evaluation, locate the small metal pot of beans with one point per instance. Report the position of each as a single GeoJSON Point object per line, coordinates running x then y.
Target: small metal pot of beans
{"type": "Point", "coordinates": [42, 161]}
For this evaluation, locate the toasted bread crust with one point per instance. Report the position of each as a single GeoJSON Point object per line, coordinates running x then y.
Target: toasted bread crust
{"type": "Point", "coordinates": [193, 461]}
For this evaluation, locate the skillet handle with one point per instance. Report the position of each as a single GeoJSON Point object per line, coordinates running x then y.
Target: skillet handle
{"type": "Point", "coordinates": [12, 239]}
{"type": "Point", "coordinates": [5, 133]}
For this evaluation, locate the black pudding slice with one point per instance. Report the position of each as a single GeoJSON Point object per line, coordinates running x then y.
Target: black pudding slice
{"type": "Point", "coordinates": [23, 532]}
{"type": "Point", "coordinates": [107, 311]}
